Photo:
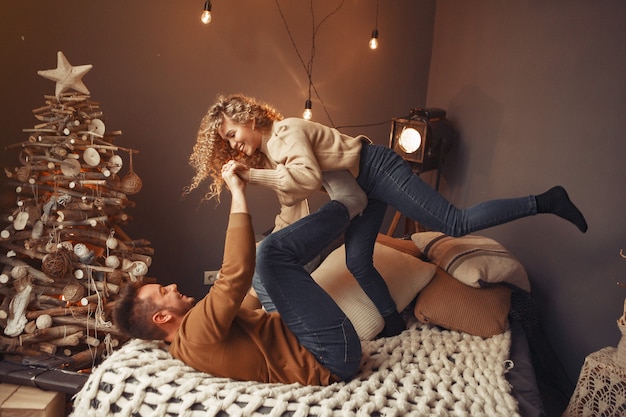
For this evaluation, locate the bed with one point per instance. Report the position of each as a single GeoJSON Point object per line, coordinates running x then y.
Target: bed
{"type": "Point", "coordinates": [465, 352]}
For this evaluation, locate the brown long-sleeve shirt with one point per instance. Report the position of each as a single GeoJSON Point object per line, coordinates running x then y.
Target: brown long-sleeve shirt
{"type": "Point", "coordinates": [223, 337]}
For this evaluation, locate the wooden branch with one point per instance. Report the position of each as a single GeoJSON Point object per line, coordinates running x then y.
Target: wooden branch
{"type": "Point", "coordinates": [46, 299]}
{"type": "Point", "coordinates": [87, 323]}
{"type": "Point", "coordinates": [42, 335]}
{"type": "Point", "coordinates": [8, 344]}
{"type": "Point", "coordinates": [4, 308]}
{"type": "Point", "coordinates": [35, 273]}
{"type": "Point", "coordinates": [45, 347]}
{"type": "Point", "coordinates": [86, 359]}
{"type": "Point", "coordinates": [73, 339]}
{"type": "Point", "coordinates": [91, 341]}
{"type": "Point", "coordinates": [28, 252]}
{"type": "Point", "coordinates": [121, 200]}
{"type": "Point", "coordinates": [56, 312]}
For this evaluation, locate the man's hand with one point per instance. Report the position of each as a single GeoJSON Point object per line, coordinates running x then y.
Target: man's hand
{"type": "Point", "coordinates": [236, 185]}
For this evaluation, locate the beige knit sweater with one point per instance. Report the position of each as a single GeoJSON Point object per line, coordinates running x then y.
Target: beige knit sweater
{"type": "Point", "coordinates": [297, 152]}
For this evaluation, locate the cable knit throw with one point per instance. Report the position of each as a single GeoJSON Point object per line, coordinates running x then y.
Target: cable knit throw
{"type": "Point", "coordinates": [425, 371]}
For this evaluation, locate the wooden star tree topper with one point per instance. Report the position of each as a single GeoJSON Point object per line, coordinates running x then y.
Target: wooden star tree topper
{"type": "Point", "coordinates": [66, 76]}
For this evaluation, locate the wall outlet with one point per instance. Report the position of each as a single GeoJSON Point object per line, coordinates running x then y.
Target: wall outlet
{"type": "Point", "coordinates": [210, 277]}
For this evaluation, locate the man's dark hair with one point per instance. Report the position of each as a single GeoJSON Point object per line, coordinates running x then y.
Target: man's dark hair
{"type": "Point", "coordinates": [133, 315]}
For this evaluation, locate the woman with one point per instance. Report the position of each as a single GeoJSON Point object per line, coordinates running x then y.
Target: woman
{"type": "Point", "coordinates": [292, 156]}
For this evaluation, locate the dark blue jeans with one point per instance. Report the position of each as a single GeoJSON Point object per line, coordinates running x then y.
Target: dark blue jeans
{"type": "Point", "coordinates": [387, 179]}
{"type": "Point", "coordinates": [309, 312]}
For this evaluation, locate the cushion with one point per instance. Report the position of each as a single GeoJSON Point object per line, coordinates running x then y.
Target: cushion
{"type": "Point", "coordinates": [403, 245]}
{"type": "Point", "coordinates": [404, 274]}
{"type": "Point", "coordinates": [449, 303]}
{"type": "Point", "coordinates": [474, 260]}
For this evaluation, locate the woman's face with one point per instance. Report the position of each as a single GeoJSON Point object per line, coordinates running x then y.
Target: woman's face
{"type": "Point", "coordinates": [242, 138]}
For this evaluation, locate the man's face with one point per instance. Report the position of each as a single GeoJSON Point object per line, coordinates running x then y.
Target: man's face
{"type": "Point", "coordinates": [168, 298]}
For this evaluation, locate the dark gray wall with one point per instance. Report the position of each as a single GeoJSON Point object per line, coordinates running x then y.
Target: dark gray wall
{"type": "Point", "coordinates": [537, 91]}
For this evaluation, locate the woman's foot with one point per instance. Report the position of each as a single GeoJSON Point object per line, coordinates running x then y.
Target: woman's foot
{"type": "Point", "coordinates": [556, 201]}
{"type": "Point", "coordinates": [394, 325]}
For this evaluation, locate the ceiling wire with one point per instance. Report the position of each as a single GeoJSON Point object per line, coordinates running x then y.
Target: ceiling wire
{"type": "Point", "coordinates": [309, 66]}
{"type": "Point", "coordinates": [376, 21]}
{"type": "Point", "coordinates": [363, 125]}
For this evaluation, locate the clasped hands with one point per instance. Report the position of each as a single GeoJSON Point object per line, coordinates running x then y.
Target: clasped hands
{"type": "Point", "coordinates": [234, 173]}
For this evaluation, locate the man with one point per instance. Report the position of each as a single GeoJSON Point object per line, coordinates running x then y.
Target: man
{"type": "Point", "coordinates": [309, 340]}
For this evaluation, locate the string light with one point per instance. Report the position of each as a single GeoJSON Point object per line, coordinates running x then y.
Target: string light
{"type": "Point", "coordinates": [308, 113]}
{"type": "Point", "coordinates": [205, 17]}
{"type": "Point", "coordinates": [374, 38]}
{"type": "Point", "coordinates": [308, 67]}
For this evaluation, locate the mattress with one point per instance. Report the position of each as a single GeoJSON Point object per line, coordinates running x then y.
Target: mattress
{"type": "Point", "coordinates": [426, 370]}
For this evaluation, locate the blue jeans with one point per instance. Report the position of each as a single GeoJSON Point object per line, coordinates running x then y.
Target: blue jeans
{"type": "Point", "coordinates": [387, 179]}
{"type": "Point", "coordinates": [309, 312]}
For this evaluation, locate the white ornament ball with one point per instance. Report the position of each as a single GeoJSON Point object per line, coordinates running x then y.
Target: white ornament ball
{"type": "Point", "coordinates": [115, 164]}
{"type": "Point", "coordinates": [112, 261]}
{"type": "Point", "coordinates": [81, 250]}
{"type": "Point", "coordinates": [44, 321]}
{"type": "Point", "coordinates": [19, 272]}
{"type": "Point", "coordinates": [111, 243]}
{"type": "Point", "coordinates": [91, 157]}
{"type": "Point", "coordinates": [138, 268]}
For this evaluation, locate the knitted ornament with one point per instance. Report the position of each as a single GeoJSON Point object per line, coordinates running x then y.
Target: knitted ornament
{"type": "Point", "coordinates": [73, 292]}
{"type": "Point", "coordinates": [57, 264]}
{"type": "Point", "coordinates": [23, 173]}
{"type": "Point", "coordinates": [131, 183]}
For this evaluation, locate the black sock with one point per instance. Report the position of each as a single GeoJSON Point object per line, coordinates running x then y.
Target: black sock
{"type": "Point", "coordinates": [556, 201]}
{"type": "Point", "coordinates": [394, 325]}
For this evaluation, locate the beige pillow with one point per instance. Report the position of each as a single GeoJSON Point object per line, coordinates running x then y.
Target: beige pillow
{"type": "Point", "coordinates": [474, 260]}
{"type": "Point", "coordinates": [404, 274]}
{"type": "Point", "coordinates": [449, 303]}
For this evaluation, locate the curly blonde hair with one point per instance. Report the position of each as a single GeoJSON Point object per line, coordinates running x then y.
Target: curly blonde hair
{"type": "Point", "coordinates": [211, 151]}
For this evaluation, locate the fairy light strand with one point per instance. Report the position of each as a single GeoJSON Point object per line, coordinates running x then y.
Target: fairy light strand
{"type": "Point", "coordinates": [308, 67]}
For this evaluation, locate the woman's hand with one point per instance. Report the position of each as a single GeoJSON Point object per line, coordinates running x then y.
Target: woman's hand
{"type": "Point", "coordinates": [236, 185]}
{"type": "Point", "coordinates": [241, 170]}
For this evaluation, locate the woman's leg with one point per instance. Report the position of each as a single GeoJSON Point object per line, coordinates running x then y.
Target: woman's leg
{"type": "Point", "coordinates": [386, 176]}
{"type": "Point", "coordinates": [309, 312]}
{"type": "Point", "coordinates": [360, 239]}
{"type": "Point", "coordinates": [388, 179]}
{"type": "Point", "coordinates": [342, 186]}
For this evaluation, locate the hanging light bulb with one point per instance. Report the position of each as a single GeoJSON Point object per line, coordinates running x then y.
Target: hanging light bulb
{"type": "Point", "coordinates": [307, 110]}
{"type": "Point", "coordinates": [374, 40]}
{"type": "Point", "coordinates": [206, 13]}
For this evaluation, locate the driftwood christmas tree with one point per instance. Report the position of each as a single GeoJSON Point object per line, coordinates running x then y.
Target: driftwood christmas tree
{"type": "Point", "coordinates": [63, 252]}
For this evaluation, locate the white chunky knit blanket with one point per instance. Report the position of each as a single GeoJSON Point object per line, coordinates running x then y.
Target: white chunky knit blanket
{"type": "Point", "coordinates": [425, 371]}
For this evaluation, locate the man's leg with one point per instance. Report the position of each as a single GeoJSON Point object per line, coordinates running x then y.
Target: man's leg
{"type": "Point", "coordinates": [309, 312]}
{"type": "Point", "coordinates": [340, 185]}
